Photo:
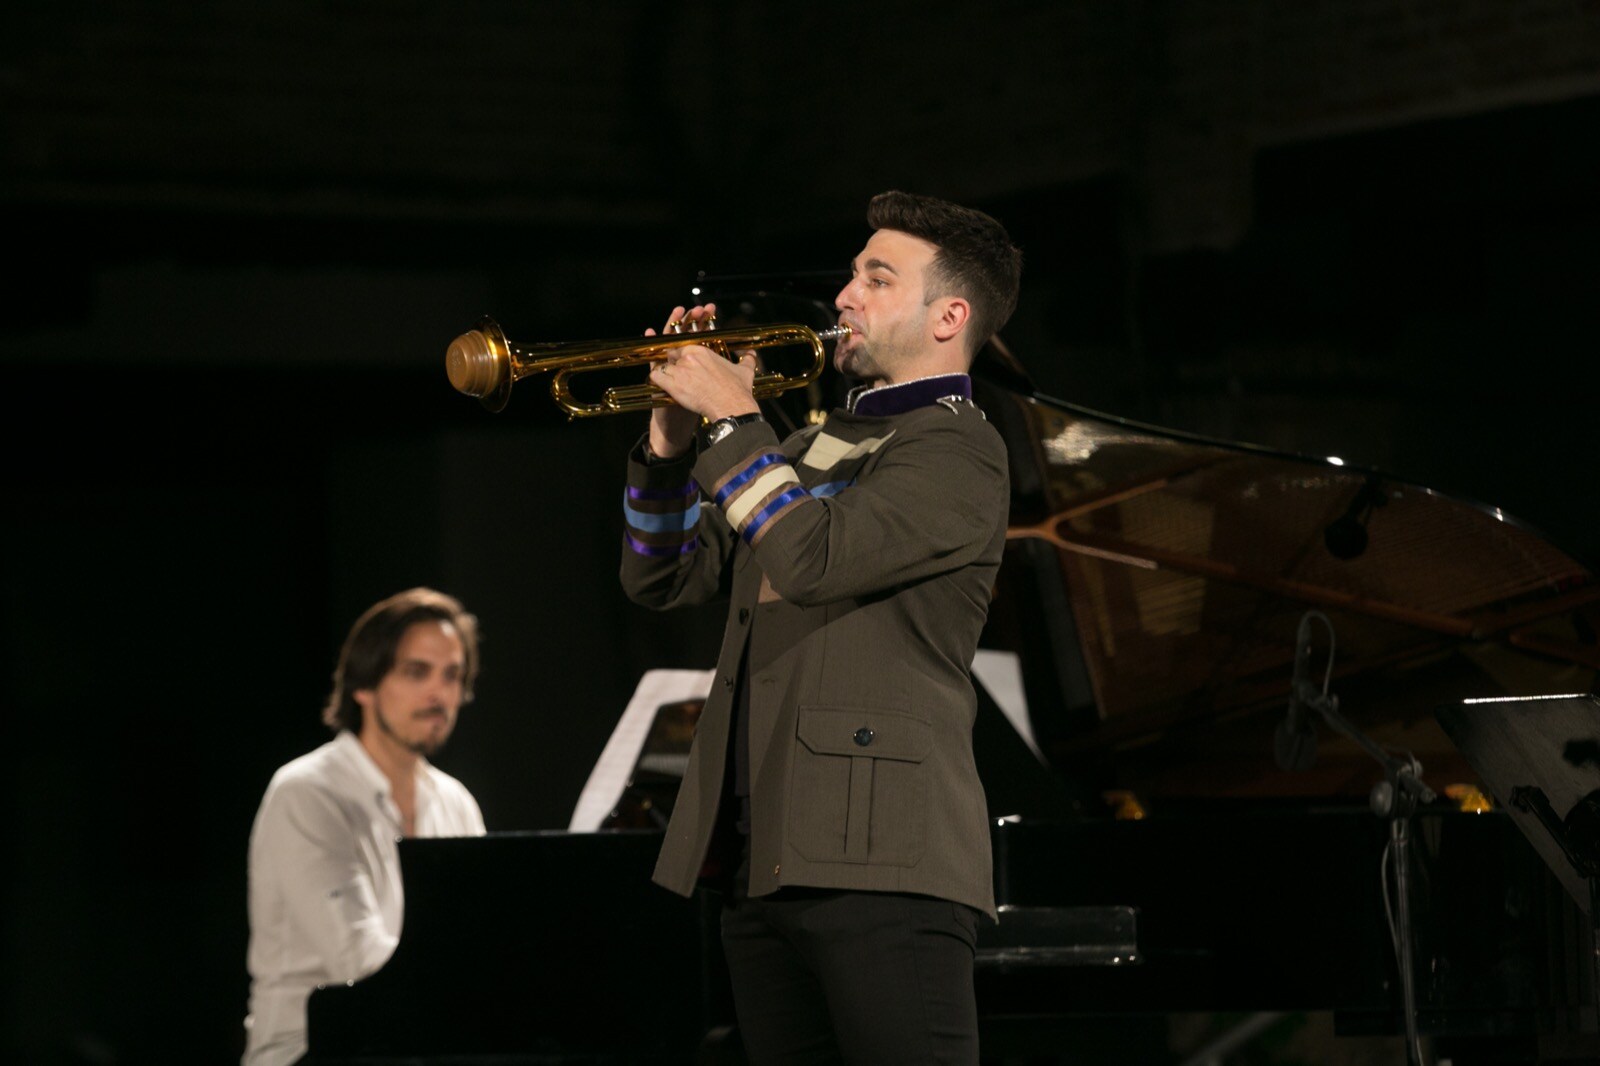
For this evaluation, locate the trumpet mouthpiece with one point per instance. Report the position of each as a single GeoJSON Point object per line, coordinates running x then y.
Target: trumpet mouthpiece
{"type": "Point", "coordinates": [470, 364]}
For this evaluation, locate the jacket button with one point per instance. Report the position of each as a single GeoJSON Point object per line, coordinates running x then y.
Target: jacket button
{"type": "Point", "coordinates": [864, 736]}
{"type": "Point", "coordinates": [776, 868]}
{"type": "Point", "coordinates": [744, 615]}
{"type": "Point", "coordinates": [727, 682]}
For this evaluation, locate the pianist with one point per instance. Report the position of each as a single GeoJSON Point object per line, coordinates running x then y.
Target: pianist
{"type": "Point", "coordinates": [834, 754]}
{"type": "Point", "coordinates": [325, 898]}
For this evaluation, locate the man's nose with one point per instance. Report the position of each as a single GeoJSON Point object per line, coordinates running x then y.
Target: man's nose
{"type": "Point", "coordinates": [847, 296]}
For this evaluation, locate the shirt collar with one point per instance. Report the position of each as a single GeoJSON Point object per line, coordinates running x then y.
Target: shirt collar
{"type": "Point", "coordinates": [907, 395]}
{"type": "Point", "coordinates": [361, 761]}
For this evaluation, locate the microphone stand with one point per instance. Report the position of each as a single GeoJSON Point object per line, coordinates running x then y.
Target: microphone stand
{"type": "Point", "coordinates": [1396, 798]}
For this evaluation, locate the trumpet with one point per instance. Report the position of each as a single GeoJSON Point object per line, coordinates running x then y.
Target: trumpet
{"type": "Point", "coordinates": [484, 364]}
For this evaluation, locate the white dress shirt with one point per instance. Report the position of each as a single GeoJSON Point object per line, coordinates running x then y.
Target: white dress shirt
{"type": "Point", "coordinates": [325, 893]}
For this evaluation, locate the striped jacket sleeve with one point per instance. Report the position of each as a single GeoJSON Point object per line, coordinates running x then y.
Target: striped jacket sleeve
{"type": "Point", "coordinates": [758, 490]}
{"type": "Point", "coordinates": [933, 501]}
{"type": "Point", "coordinates": [674, 549]}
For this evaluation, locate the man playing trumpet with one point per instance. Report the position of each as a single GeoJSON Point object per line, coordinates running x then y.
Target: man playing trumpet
{"type": "Point", "coordinates": [831, 787]}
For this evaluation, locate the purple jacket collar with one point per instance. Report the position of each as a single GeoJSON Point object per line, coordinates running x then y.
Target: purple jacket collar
{"type": "Point", "coordinates": [888, 400]}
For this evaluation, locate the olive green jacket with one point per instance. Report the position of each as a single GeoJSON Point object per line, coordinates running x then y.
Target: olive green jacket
{"type": "Point", "coordinates": [858, 558]}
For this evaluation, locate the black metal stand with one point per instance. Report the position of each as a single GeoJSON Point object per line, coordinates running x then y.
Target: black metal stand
{"type": "Point", "coordinates": [1395, 798]}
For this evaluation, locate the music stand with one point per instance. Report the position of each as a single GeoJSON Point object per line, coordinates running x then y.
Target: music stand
{"type": "Point", "coordinates": [1540, 758]}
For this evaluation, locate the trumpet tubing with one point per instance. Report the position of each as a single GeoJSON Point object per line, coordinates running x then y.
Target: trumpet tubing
{"type": "Point", "coordinates": [482, 363]}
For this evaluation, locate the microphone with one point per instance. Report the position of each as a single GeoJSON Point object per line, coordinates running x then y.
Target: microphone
{"type": "Point", "coordinates": [1294, 743]}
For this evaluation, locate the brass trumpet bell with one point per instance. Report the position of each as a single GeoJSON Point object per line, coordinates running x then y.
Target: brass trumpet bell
{"type": "Point", "coordinates": [484, 364]}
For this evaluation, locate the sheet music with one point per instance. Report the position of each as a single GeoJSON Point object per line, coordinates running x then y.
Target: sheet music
{"type": "Point", "coordinates": [610, 774]}
{"type": "Point", "coordinates": [1000, 674]}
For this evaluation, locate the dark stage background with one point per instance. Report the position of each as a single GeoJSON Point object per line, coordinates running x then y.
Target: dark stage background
{"type": "Point", "coordinates": [240, 240]}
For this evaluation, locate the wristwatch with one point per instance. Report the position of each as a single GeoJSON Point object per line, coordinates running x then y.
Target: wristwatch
{"type": "Point", "coordinates": [712, 432]}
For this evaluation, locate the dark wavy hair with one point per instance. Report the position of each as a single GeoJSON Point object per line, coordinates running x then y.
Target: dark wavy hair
{"type": "Point", "coordinates": [369, 650]}
{"type": "Point", "coordinates": [976, 258]}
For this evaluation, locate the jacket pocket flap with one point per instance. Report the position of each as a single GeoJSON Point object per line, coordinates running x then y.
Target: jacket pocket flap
{"type": "Point", "coordinates": [863, 732]}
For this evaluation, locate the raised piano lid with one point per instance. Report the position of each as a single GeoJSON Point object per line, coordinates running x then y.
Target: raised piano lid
{"type": "Point", "coordinates": [1154, 581]}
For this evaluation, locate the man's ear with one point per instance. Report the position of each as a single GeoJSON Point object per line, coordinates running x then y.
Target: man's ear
{"type": "Point", "coordinates": [364, 699]}
{"type": "Point", "coordinates": [952, 315]}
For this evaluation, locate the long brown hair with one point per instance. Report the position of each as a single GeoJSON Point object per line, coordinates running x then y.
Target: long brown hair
{"type": "Point", "coordinates": [369, 650]}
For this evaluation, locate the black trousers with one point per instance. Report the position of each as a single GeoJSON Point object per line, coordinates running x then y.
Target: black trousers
{"type": "Point", "coordinates": [868, 978]}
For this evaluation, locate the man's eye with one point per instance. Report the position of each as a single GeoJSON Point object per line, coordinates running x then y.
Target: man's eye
{"type": "Point", "coordinates": [878, 282]}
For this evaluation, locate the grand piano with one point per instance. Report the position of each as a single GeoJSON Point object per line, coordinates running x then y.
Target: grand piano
{"type": "Point", "coordinates": [1175, 887]}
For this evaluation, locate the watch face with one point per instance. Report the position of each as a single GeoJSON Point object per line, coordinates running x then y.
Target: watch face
{"type": "Point", "coordinates": [724, 426]}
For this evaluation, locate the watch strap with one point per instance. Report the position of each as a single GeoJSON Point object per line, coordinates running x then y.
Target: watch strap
{"type": "Point", "coordinates": [715, 431]}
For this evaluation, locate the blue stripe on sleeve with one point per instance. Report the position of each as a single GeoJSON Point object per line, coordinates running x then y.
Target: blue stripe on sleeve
{"type": "Point", "coordinates": [763, 461]}
{"type": "Point", "coordinates": [754, 525]}
{"type": "Point", "coordinates": [671, 522]}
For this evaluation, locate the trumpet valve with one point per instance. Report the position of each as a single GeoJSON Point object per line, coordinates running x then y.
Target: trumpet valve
{"type": "Point", "coordinates": [692, 325]}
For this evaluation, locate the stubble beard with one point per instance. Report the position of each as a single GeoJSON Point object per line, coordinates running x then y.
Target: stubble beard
{"type": "Point", "coordinates": [850, 363]}
{"type": "Point", "coordinates": [425, 747]}
{"type": "Point", "coordinates": [862, 364]}
{"type": "Point", "coordinates": [872, 360]}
